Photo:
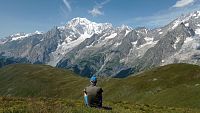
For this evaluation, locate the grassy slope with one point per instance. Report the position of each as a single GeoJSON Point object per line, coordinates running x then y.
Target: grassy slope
{"type": "Point", "coordinates": [39, 80]}
{"type": "Point", "coordinates": [172, 85]}
{"type": "Point", "coordinates": [176, 85]}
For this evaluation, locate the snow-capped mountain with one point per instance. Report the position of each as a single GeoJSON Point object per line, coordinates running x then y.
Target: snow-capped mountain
{"type": "Point", "coordinates": [83, 25]}
{"type": "Point", "coordinates": [189, 51]}
{"type": "Point", "coordinates": [99, 48]}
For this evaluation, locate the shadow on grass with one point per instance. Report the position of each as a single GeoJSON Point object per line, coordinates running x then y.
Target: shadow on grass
{"type": "Point", "coordinates": [106, 108]}
{"type": "Point", "coordinates": [103, 107]}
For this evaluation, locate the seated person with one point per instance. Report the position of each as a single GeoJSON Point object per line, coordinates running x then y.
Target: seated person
{"type": "Point", "coordinates": [93, 94]}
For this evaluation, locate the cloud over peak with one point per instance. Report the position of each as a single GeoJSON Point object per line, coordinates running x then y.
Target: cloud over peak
{"type": "Point", "coordinates": [96, 11]}
{"type": "Point", "coordinates": [183, 3]}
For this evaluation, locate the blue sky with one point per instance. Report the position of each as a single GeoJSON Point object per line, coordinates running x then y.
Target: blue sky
{"type": "Point", "coordinates": [31, 15]}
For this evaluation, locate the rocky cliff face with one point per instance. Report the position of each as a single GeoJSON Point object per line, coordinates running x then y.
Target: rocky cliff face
{"type": "Point", "coordinates": [99, 48]}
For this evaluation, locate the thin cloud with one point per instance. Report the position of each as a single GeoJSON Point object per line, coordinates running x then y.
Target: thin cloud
{"type": "Point", "coordinates": [96, 11]}
{"type": "Point", "coordinates": [66, 3]}
{"type": "Point", "coordinates": [65, 9]}
{"type": "Point", "coordinates": [104, 2]}
{"type": "Point", "coordinates": [161, 18]}
{"type": "Point", "coordinates": [183, 3]}
{"type": "Point", "coordinates": [64, 12]}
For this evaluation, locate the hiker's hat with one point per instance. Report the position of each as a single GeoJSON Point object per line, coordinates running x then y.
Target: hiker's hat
{"type": "Point", "coordinates": [93, 78]}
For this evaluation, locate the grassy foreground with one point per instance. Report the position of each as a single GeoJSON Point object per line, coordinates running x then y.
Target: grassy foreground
{"type": "Point", "coordinates": [38, 87]}
{"type": "Point", "coordinates": [52, 105]}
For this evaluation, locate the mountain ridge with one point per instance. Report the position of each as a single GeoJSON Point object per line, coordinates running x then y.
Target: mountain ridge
{"type": "Point", "coordinates": [90, 48]}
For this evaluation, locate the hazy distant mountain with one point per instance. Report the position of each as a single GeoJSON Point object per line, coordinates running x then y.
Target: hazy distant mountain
{"type": "Point", "coordinates": [99, 48]}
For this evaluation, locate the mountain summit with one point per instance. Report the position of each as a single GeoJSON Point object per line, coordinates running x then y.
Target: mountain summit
{"type": "Point", "coordinates": [90, 48]}
{"type": "Point", "coordinates": [83, 25]}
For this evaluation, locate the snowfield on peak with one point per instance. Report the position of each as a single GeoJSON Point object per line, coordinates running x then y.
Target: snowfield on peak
{"type": "Point", "coordinates": [20, 36]}
{"type": "Point", "coordinates": [83, 25]}
{"type": "Point", "coordinates": [65, 47]}
{"type": "Point", "coordinates": [111, 36]}
{"type": "Point", "coordinates": [197, 31]}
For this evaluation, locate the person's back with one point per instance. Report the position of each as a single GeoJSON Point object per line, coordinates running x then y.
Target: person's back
{"type": "Point", "coordinates": [94, 94]}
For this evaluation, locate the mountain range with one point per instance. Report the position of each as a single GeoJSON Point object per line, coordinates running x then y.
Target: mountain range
{"type": "Point", "coordinates": [90, 48]}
